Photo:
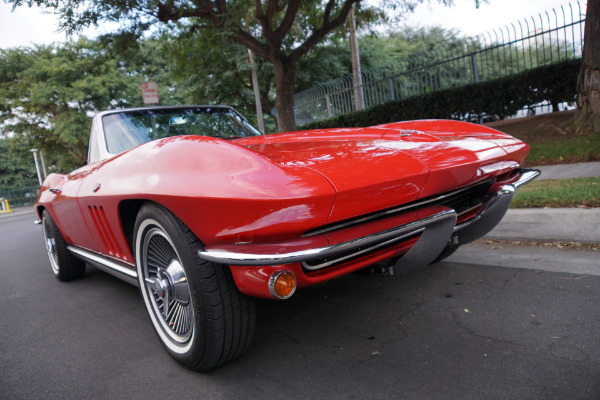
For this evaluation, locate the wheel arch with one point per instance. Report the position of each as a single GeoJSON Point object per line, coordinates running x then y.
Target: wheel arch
{"type": "Point", "coordinates": [128, 212]}
{"type": "Point", "coordinates": [39, 209]}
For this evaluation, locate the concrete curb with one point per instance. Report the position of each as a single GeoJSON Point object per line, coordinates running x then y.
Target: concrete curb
{"type": "Point", "coordinates": [568, 224]}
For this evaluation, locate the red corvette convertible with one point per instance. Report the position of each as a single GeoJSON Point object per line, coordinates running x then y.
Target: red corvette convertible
{"type": "Point", "coordinates": [203, 213]}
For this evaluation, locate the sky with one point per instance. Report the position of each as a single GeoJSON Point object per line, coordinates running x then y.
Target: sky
{"type": "Point", "coordinates": [26, 26]}
{"type": "Point", "coordinates": [464, 16]}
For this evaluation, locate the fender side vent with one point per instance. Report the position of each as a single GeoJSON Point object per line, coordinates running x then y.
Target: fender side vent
{"type": "Point", "coordinates": [103, 228]}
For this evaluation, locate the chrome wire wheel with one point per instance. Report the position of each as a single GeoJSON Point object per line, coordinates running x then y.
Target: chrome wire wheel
{"type": "Point", "coordinates": [195, 308]}
{"type": "Point", "coordinates": [165, 287]}
{"type": "Point", "coordinates": [50, 242]}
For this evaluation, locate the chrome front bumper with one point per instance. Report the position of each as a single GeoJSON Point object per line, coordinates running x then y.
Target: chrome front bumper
{"type": "Point", "coordinates": [434, 225]}
{"type": "Point", "coordinates": [308, 249]}
{"type": "Point", "coordinates": [494, 207]}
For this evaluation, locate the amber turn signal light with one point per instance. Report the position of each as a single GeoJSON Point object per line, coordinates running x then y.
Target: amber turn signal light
{"type": "Point", "coordinates": [282, 284]}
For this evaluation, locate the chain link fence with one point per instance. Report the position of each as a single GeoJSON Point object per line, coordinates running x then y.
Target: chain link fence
{"type": "Point", "coordinates": [548, 38]}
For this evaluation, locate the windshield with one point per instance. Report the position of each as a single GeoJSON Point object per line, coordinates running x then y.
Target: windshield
{"type": "Point", "coordinates": [130, 128]}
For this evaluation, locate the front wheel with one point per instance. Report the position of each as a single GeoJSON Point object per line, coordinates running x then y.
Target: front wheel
{"type": "Point", "coordinates": [64, 266]}
{"type": "Point", "coordinates": [198, 313]}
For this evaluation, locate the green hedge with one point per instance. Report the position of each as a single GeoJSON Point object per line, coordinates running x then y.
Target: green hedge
{"type": "Point", "coordinates": [499, 97]}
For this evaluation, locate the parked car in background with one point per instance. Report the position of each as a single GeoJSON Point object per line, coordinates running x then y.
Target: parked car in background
{"type": "Point", "coordinates": [204, 213]}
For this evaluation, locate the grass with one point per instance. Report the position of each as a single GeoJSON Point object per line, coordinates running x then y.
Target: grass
{"type": "Point", "coordinates": [568, 150]}
{"type": "Point", "coordinates": [576, 192]}
{"type": "Point", "coordinates": [550, 142]}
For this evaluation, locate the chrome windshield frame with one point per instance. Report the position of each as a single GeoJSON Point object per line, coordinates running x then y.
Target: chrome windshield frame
{"type": "Point", "coordinates": [99, 135]}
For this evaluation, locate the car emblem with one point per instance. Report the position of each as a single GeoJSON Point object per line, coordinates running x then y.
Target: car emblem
{"type": "Point", "coordinates": [409, 132]}
{"type": "Point", "coordinates": [96, 187]}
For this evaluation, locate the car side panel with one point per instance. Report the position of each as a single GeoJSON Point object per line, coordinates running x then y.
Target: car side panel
{"type": "Point", "coordinates": [221, 191]}
{"type": "Point", "coordinates": [61, 203]}
{"type": "Point", "coordinates": [101, 216]}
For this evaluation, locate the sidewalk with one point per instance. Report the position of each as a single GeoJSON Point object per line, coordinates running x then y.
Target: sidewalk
{"type": "Point", "coordinates": [568, 224]}
{"type": "Point", "coordinates": [580, 170]}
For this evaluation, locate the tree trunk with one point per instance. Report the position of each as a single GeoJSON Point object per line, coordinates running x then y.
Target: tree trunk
{"type": "Point", "coordinates": [587, 118]}
{"type": "Point", "coordinates": [285, 77]}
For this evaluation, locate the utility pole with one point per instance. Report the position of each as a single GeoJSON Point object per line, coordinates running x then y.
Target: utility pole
{"type": "Point", "coordinates": [37, 166]}
{"type": "Point", "coordinates": [359, 98]}
{"type": "Point", "coordinates": [259, 113]}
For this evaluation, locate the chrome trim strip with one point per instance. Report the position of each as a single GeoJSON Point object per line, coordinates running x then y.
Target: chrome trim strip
{"type": "Point", "coordinates": [360, 252]}
{"type": "Point", "coordinates": [493, 209]}
{"type": "Point", "coordinates": [527, 175]}
{"type": "Point", "coordinates": [239, 258]}
{"type": "Point", "coordinates": [112, 267]}
{"type": "Point", "coordinates": [467, 223]}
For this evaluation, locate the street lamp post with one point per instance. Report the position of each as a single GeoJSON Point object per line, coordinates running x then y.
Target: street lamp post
{"type": "Point", "coordinates": [37, 166]}
{"type": "Point", "coordinates": [43, 164]}
{"type": "Point", "coordinates": [359, 96]}
{"type": "Point", "coordinates": [259, 113]}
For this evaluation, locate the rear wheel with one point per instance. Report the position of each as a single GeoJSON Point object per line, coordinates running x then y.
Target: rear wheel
{"type": "Point", "coordinates": [64, 266]}
{"type": "Point", "coordinates": [198, 313]}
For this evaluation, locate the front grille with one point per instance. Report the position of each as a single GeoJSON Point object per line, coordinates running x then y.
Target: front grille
{"type": "Point", "coordinates": [468, 199]}
{"type": "Point", "coordinates": [461, 200]}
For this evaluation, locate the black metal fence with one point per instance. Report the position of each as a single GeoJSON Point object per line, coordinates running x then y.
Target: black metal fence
{"type": "Point", "coordinates": [549, 38]}
{"type": "Point", "coordinates": [20, 197]}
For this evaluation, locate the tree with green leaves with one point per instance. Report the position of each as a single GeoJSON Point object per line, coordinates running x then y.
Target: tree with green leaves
{"type": "Point", "coordinates": [279, 31]}
{"type": "Point", "coordinates": [217, 71]}
{"type": "Point", "coordinates": [17, 169]}
{"type": "Point", "coordinates": [400, 45]}
{"type": "Point", "coordinates": [49, 94]}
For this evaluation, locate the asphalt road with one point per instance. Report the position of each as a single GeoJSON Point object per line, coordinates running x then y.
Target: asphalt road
{"type": "Point", "coordinates": [452, 331]}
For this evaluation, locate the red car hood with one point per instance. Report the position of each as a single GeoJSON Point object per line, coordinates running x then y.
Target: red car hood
{"type": "Point", "coordinates": [383, 166]}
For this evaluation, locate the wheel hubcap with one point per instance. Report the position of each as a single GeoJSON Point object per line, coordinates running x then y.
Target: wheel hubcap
{"type": "Point", "coordinates": [50, 246]}
{"type": "Point", "coordinates": [160, 285]}
{"type": "Point", "coordinates": [51, 243]}
{"type": "Point", "coordinates": [167, 287]}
